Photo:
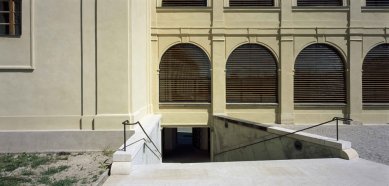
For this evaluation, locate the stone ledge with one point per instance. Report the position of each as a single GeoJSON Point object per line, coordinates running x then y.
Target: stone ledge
{"type": "Point", "coordinates": [313, 138]}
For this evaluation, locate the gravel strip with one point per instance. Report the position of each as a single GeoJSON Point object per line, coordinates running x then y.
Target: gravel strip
{"type": "Point", "coordinates": [370, 141]}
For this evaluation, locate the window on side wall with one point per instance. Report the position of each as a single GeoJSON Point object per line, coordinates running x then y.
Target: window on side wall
{"type": "Point", "coordinates": [10, 17]}
{"type": "Point", "coordinates": [238, 3]}
{"type": "Point", "coordinates": [376, 3]}
{"type": "Point", "coordinates": [184, 3]}
{"type": "Point", "coordinates": [319, 2]}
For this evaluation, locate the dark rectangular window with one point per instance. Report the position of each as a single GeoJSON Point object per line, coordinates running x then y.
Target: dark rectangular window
{"type": "Point", "coordinates": [184, 3]}
{"type": "Point", "coordinates": [10, 17]}
{"type": "Point", "coordinates": [235, 3]}
{"type": "Point", "coordinates": [377, 3]}
{"type": "Point", "coordinates": [319, 2]}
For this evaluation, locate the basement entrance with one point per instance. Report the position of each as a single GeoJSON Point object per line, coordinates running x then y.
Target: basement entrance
{"type": "Point", "coordinates": [185, 145]}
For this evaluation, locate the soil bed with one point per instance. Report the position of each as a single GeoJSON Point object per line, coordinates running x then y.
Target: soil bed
{"type": "Point", "coordinates": [63, 168]}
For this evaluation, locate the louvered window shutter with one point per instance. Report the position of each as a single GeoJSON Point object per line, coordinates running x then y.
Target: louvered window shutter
{"type": "Point", "coordinates": [184, 75]}
{"type": "Point", "coordinates": [184, 2]}
{"type": "Point", "coordinates": [377, 3]}
{"type": "Point", "coordinates": [319, 76]}
{"type": "Point", "coordinates": [234, 3]}
{"type": "Point", "coordinates": [375, 76]}
{"type": "Point", "coordinates": [319, 2]}
{"type": "Point", "coordinates": [251, 75]}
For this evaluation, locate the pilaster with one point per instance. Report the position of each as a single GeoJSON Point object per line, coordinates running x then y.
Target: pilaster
{"type": "Point", "coordinates": [88, 63]}
{"type": "Point", "coordinates": [113, 63]}
{"type": "Point", "coordinates": [355, 76]}
{"type": "Point", "coordinates": [286, 88]}
{"type": "Point", "coordinates": [217, 13]}
{"type": "Point", "coordinates": [218, 75]}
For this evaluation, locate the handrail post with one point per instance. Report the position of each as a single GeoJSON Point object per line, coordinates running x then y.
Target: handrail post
{"type": "Point", "coordinates": [337, 129]}
{"type": "Point", "coordinates": [124, 135]}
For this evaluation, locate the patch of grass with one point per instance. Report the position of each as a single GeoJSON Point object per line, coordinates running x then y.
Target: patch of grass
{"type": "Point", "coordinates": [84, 181]}
{"type": "Point", "coordinates": [95, 178]}
{"type": "Point", "coordinates": [10, 162]}
{"type": "Point", "coordinates": [39, 160]}
{"type": "Point", "coordinates": [65, 182]}
{"type": "Point", "coordinates": [26, 172]}
{"type": "Point", "coordinates": [9, 180]}
{"type": "Point", "coordinates": [44, 180]}
{"type": "Point", "coordinates": [108, 152]}
{"type": "Point", "coordinates": [55, 170]}
{"type": "Point", "coordinates": [103, 165]}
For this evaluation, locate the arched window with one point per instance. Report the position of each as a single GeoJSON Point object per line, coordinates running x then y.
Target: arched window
{"type": "Point", "coordinates": [377, 3]}
{"type": "Point", "coordinates": [375, 76]}
{"type": "Point", "coordinates": [235, 3]}
{"type": "Point", "coordinates": [319, 76]}
{"type": "Point", "coordinates": [184, 75]}
{"type": "Point", "coordinates": [319, 2]}
{"type": "Point", "coordinates": [251, 75]}
{"type": "Point", "coordinates": [184, 3]}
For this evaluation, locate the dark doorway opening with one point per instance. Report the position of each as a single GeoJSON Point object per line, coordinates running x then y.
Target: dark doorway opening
{"type": "Point", "coordinates": [185, 145]}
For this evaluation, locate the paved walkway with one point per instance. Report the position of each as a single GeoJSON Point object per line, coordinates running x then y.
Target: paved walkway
{"type": "Point", "coordinates": [370, 141]}
{"type": "Point", "coordinates": [283, 172]}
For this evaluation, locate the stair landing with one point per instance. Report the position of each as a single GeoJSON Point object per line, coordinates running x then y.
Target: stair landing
{"type": "Point", "coordinates": [282, 172]}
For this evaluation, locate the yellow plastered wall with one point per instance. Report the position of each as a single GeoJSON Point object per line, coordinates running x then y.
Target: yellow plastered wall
{"type": "Point", "coordinates": [285, 30]}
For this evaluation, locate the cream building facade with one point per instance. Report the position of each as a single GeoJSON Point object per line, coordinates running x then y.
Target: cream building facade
{"type": "Point", "coordinates": [90, 64]}
{"type": "Point", "coordinates": [78, 65]}
{"type": "Point", "coordinates": [285, 29]}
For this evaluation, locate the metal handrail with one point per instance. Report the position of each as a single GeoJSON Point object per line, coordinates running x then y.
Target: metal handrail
{"type": "Point", "coordinates": [125, 123]}
{"type": "Point", "coordinates": [142, 139]}
{"type": "Point", "coordinates": [337, 119]}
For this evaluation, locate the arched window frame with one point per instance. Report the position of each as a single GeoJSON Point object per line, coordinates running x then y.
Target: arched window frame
{"type": "Point", "coordinates": [375, 76]}
{"type": "Point", "coordinates": [178, 81]}
{"type": "Point", "coordinates": [240, 76]}
{"type": "Point", "coordinates": [326, 88]}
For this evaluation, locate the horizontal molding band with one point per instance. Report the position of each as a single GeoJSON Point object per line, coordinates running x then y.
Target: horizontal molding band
{"type": "Point", "coordinates": [275, 31]}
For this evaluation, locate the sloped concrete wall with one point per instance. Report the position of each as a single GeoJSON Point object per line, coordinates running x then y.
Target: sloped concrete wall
{"type": "Point", "coordinates": [240, 140]}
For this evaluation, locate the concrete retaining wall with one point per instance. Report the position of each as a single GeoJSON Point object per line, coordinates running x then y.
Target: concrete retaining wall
{"type": "Point", "coordinates": [142, 151]}
{"type": "Point", "coordinates": [230, 134]}
{"type": "Point", "coordinates": [56, 141]}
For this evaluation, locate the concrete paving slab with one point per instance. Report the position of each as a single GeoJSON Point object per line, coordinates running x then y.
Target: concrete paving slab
{"type": "Point", "coordinates": [282, 172]}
